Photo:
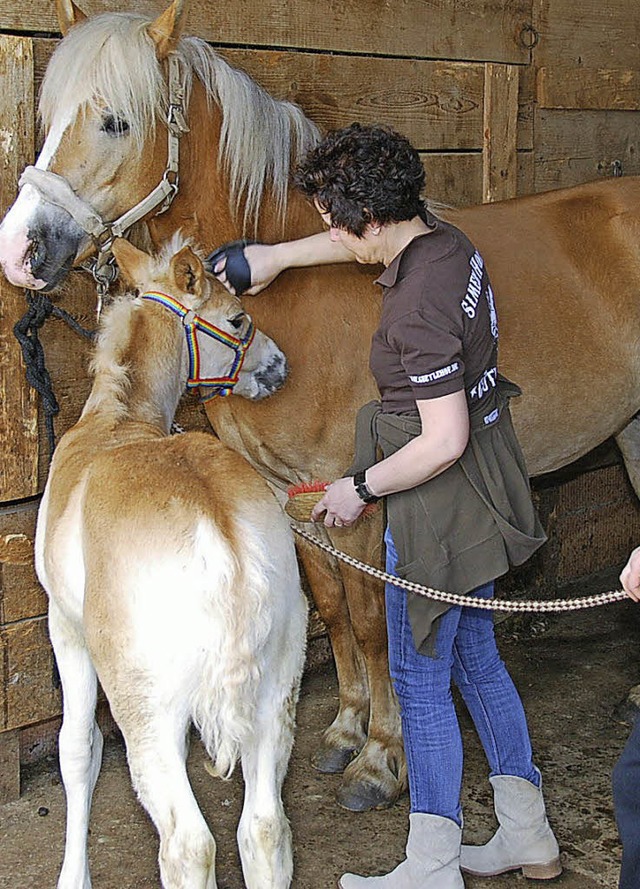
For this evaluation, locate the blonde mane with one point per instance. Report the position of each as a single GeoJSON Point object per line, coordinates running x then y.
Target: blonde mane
{"type": "Point", "coordinates": [109, 62]}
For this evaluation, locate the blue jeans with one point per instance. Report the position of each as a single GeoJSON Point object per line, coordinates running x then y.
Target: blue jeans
{"type": "Point", "coordinates": [626, 799]}
{"type": "Point", "coordinates": [466, 652]}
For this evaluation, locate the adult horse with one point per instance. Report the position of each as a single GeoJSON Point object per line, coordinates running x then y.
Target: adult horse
{"type": "Point", "coordinates": [565, 267]}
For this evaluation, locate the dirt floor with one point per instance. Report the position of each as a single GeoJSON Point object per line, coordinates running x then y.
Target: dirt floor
{"type": "Point", "coordinates": [571, 670]}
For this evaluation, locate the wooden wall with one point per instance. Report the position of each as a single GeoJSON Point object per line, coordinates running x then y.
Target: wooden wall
{"type": "Point", "coordinates": [501, 97]}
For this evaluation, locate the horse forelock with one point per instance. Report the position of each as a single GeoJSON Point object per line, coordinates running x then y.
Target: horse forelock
{"type": "Point", "coordinates": [109, 62]}
{"type": "Point", "coordinates": [106, 63]}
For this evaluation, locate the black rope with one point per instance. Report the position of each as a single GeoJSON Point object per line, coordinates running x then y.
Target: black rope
{"type": "Point", "coordinates": [26, 332]}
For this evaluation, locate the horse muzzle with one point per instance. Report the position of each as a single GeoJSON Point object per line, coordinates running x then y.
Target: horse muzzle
{"type": "Point", "coordinates": [37, 249]}
{"type": "Point", "coordinates": [267, 379]}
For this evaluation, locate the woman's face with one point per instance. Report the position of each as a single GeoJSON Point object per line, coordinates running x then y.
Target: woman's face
{"type": "Point", "coordinates": [363, 248]}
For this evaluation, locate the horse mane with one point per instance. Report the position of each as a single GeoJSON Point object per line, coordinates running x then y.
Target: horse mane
{"type": "Point", "coordinates": [109, 61]}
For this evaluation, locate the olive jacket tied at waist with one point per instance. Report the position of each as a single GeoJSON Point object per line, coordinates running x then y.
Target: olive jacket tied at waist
{"type": "Point", "coordinates": [467, 525]}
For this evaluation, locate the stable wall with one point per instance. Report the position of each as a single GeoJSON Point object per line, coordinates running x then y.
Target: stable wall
{"type": "Point", "coordinates": [501, 98]}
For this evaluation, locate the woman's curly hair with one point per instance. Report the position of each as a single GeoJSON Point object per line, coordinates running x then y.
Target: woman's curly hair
{"type": "Point", "coordinates": [363, 174]}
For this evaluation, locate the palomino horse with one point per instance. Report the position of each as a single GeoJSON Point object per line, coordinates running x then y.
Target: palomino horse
{"type": "Point", "coordinates": [172, 576]}
{"type": "Point", "coordinates": [565, 268]}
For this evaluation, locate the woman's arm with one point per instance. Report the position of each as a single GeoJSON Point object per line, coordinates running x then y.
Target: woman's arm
{"type": "Point", "coordinates": [444, 436]}
{"type": "Point", "coordinates": [266, 261]}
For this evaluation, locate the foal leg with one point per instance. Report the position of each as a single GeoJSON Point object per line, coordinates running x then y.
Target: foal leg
{"type": "Point", "coordinates": [80, 744]}
{"type": "Point", "coordinates": [264, 835]}
{"type": "Point", "coordinates": [157, 752]}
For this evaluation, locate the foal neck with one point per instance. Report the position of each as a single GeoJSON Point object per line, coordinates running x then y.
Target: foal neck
{"type": "Point", "coordinates": [139, 366]}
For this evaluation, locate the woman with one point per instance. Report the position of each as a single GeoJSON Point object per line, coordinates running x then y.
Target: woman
{"type": "Point", "coordinates": [457, 495]}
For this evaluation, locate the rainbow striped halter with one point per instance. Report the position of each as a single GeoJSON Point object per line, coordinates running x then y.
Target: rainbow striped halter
{"type": "Point", "coordinates": [192, 323]}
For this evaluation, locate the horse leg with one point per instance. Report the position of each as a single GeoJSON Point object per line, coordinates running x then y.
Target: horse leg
{"type": "Point", "coordinates": [377, 776]}
{"type": "Point", "coordinates": [347, 734]}
{"type": "Point", "coordinates": [264, 835]}
{"type": "Point", "coordinates": [80, 744]}
{"type": "Point", "coordinates": [157, 746]}
{"type": "Point", "coordinates": [628, 440]}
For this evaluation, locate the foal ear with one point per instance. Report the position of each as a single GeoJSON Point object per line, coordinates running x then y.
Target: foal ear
{"type": "Point", "coordinates": [68, 15]}
{"type": "Point", "coordinates": [167, 28]}
{"type": "Point", "coordinates": [187, 271]}
{"type": "Point", "coordinates": [133, 263]}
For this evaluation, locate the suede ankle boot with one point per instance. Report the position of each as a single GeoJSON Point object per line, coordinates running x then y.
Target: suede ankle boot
{"type": "Point", "coordinates": [432, 862]}
{"type": "Point", "coordinates": [524, 839]}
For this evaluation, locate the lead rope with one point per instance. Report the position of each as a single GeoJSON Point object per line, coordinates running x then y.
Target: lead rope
{"type": "Point", "coordinates": [558, 605]}
{"type": "Point", "coordinates": [25, 331]}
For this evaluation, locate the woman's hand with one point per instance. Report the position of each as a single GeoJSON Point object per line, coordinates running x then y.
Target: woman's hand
{"type": "Point", "coordinates": [630, 577]}
{"type": "Point", "coordinates": [265, 263]}
{"type": "Point", "coordinates": [341, 505]}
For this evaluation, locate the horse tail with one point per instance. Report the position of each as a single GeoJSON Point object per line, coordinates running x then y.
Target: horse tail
{"type": "Point", "coordinates": [225, 699]}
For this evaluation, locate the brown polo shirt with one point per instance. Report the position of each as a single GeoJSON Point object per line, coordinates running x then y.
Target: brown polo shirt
{"type": "Point", "coordinates": [438, 329]}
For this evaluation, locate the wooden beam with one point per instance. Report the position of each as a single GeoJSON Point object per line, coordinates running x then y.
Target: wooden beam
{"type": "Point", "coordinates": [578, 146]}
{"type": "Point", "coordinates": [9, 767]}
{"type": "Point", "coordinates": [592, 33]}
{"type": "Point", "coordinates": [484, 29]}
{"type": "Point", "coordinates": [500, 132]}
{"type": "Point", "coordinates": [565, 87]}
{"type": "Point", "coordinates": [18, 405]}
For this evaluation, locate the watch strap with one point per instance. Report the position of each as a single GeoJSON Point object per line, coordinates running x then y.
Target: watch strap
{"type": "Point", "coordinates": [362, 490]}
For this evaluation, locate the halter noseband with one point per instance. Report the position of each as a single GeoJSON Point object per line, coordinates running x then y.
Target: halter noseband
{"type": "Point", "coordinates": [56, 190]}
{"type": "Point", "coordinates": [193, 323]}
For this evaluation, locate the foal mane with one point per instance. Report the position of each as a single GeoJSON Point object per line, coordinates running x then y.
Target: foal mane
{"type": "Point", "coordinates": [116, 339]}
{"type": "Point", "coordinates": [109, 62]}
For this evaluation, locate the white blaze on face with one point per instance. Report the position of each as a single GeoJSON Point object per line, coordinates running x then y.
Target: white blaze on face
{"type": "Point", "coordinates": [15, 242]}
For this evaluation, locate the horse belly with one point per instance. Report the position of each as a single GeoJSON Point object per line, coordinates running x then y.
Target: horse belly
{"type": "Point", "coordinates": [59, 558]}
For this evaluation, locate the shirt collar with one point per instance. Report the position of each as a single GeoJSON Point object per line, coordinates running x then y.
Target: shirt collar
{"type": "Point", "coordinates": [390, 275]}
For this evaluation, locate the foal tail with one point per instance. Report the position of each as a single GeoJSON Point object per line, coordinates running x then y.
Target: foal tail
{"type": "Point", "coordinates": [239, 619]}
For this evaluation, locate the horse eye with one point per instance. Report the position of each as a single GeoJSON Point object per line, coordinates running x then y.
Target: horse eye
{"type": "Point", "coordinates": [237, 321]}
{"type": "Point", "coordinates": [114, 126]}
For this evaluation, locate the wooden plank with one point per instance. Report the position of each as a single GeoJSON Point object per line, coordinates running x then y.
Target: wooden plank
{"type": "Point", "coordinates": [29, 692]}
{"type": "Point", "coordinates": [578, 146]}
{"type": "Point", "coordinates": [437, 105]}
{"type": "Point", "coordinates": [9, 767]}
{"type": "Point", "coordinates": [482, 30]}
{"type": "Point", "coordinates": [591, 34]}
{"type": "Point", "coordinates": [589, 88]}
{"type": "Point", "coordinates": [455, 179]}
{"type": "Point", "coordinates": [21, 596]}
{"type": "Point", "coordinates": [18, 406]}
{"type": "Point", "coordinates": [499, 153]}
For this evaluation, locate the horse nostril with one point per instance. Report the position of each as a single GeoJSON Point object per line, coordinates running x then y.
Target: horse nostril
{"type": "Point", "coordinates": [37, 255]}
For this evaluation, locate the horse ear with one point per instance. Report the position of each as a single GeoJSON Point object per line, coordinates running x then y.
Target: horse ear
{"type": "Point", "coordinates": [187, 271]}
{"type": "Point", "coordinates": [133, 263]}
{"type": "Point", "coordinates": [167, 28]}
{"type": "Point", "coordinates": [68, 15]}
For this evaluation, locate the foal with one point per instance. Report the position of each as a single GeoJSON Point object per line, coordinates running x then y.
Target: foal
{"type": "Point", "coordinates": [172, 578]}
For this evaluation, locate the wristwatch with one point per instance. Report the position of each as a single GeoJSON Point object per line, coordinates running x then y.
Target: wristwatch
{"type": "Point", "coordinates": [362, 490]}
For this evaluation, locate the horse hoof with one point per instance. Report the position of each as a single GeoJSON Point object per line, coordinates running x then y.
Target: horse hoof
{"type": "Point", "coordinates": [362, 797]}
{"type": "Point", "coordinates": [332, 760]}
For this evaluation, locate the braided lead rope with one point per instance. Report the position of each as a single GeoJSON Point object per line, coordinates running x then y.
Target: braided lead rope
{"type": "Point", "coordinates": [25, 331]}
{"type": "Point", "coordinates": [455, 599]}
